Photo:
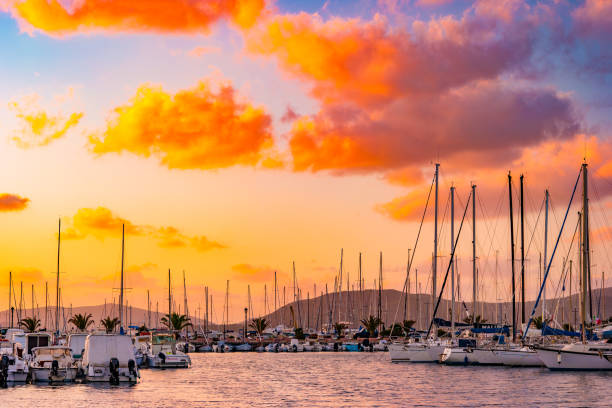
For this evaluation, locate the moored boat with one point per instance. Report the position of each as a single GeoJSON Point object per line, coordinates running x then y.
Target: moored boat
{"type": "Point", "coordinates": [577, 356]}
{"type": "Point", "coordinates": [109, 358]}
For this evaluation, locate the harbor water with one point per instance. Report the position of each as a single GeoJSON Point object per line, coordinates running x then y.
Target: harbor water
{"type": "Point", "coordinates": [325, 380]}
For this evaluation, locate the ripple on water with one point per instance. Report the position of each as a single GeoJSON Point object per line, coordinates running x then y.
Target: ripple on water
{"type": "Point", "coordinates": [326, 380]}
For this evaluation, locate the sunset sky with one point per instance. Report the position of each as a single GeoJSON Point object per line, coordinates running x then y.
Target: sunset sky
{"type": "Point", "coordinates": [233, 137]}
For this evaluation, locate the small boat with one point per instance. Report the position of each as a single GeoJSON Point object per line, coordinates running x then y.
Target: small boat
{"type": "Point", "coordinates": [272, 348]}
{"type": "Point", "coordinates": [260, 349]}
{"type": "Point", "coordinates": [163, 352]}
{"type": "Point", "coordinates": [109, 358]}
{"type": "Point", "coordinates": [13, 367]}
{"type": "Point", "coordinates": [382, 345]}
{"type": "Point", "coordinates": [416, 352]}
{"type": "Point", "coordinates": [52, 364]}
{"type": "Point", "coordinates": [243, 347]}
{"type": "Point", "coordinates": [577, 356]}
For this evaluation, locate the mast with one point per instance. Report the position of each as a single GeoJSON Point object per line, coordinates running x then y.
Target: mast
{"type": "Point", "coordinates": [148, 310]}
{"type": "Point", "coordinates": [57, 293]}
{"type": "Point", "coordinates": [523, 253]}
{"type": "Point", "coordinates": [185, 302]}
{"type": "Point", "coordinates": [339, 306]}
{"type": "Point", "coordinates": [121, 289]}
{"type": "Point", "coordinates": [46, 301]}
{"type": "Point", "coordinates": [406, 287]}
{"type": "Point", "coordinates": [275, 307]}
{"type": "Point", "coordinates": [512, 259]}
{"type": "Point", "coordinates": [586, 267]}
{"type": "Point", "coordinates": [379, 312]}
{"type": "Point", "coordinates": [10, 320]}
{"type": "Point", "coordinates": [169, 299]}
{"type": "Point", "coordinates": [452, 237]}
{"type": "Point", "coordinates": [434, 271]}
{"type": "Point", "coordinates": [474, 277]}
{"type": "Point", "coordinates": [571, 309]}
{"type": "Point", "coordinates": [545, 253]}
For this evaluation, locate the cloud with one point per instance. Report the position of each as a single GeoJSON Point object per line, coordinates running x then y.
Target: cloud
{"type": "Point", "coordinates": [101, 223]}
{"type": "Point", "coordinates": [490, 119]}
{"type": "Point", "coordinates": [251, 273]}
{"type": "Point", "coordinates": [371, 62]}
{"type": "Point", "coordinates": [198, 128]}
{"type": "Point", "coordinates": [536, 163]}
{"type": "Point", "coordinates": [39, 127]}
{"type": "Point", "coordinates": [12, 202]}
{"type": "Point", "coordinates": [594, 17]}
{"type": "Point", "coordinates": [25, 275]}
{"type": "Point", "coordinates": [202, 50]}
{"type": "Point", "coordinates": [57, 17]}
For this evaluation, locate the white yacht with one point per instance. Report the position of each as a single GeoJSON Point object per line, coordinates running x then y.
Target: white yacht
{"type": "Point", "coordinates": [109, 358]}
{"type": "Point", "coordinates": [163, 352]}
{"type": "Point", "coordinates": [52, 364]}
{"type": "Point", "coordinates": [517, 356]}
{"type": "Point", "coordinates": [416, 352]}
{"type": "Point", "coordinates": [13, 367]}
{"type": "Point", "coordinates": [577, 356]}
{"type": "Point", "coordinates": [462, 353]}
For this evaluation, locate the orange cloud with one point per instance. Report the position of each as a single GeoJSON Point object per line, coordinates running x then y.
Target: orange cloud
{"type": "Point", "coordinates": [102, 223]}
{"type": "Point", "coordinates": [12, 202]}
{"type": "Point", "coordinates": [369, 62]}
{"type": "Point", "coordinates": [490, 121]}
{"type": "Point", "coordinates": [594, 17]}
{"type": "Point", "coordinates": [25, 275]}
{"type": "Point", "coordinates": [250, 273]}
{"type": "Point", "coordinates": [551, 165]}
{"type": "Point", "coordinates": [198, 128]}
{"type": "Point", "coordinates": [39, 127]}
{"type": "Point", "coordinates": [180, 16]}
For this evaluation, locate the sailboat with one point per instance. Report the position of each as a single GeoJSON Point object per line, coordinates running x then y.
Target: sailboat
{"type": "Point", "coordinates": [586, 355]}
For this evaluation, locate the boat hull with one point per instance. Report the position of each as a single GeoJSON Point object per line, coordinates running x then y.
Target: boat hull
{"type": "Point", "coordinates": [43, 374]}
{"type": "Point", "coordinates": [457, 356]}
{"type": "Point", "coordinates": [486, 357]}
{"type": "Point", "coordinates": [415, 353]}
{"type": "Point", "coordinates": [558, 359]}
{"type": "Point", "coordinates": [519, 358]}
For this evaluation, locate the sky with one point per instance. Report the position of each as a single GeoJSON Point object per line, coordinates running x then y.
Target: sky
{"type": "Point", "coordinates": [232, 138]}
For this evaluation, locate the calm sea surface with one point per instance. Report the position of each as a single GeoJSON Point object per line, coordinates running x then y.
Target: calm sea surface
{"type": "Point", "coordinates": [325, 379]}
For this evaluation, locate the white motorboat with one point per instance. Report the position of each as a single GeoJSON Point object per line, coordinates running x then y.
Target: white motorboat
{"type": "Point", "coordinates": [577, 356]}
{"type": "Point", "coordinates": [109, 358]}
{"type": "Point", "coordinates": [52, 364]}
{"type": "Point", "coordinates": [519, 357]}
{"type": "Point", "coordinates": [13, 367]}
{"type": "Point", "coordinates": [163, 352]}
{"type": "Point", "coordinates": [416, 352]}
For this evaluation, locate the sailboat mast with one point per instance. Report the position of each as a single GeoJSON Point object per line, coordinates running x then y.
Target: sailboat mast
{"type": "Point", "coordinates": [523, 252]}
{"type": "Point", "coordinates": [585, 247]}
{"type": "Point", "coordinates": [148, 310]}
{"type": "Point", "coordinates": [546, 198]}
{"type": "Point", "coordinates": [379, 313]}
{"type": "Point", "coordinates": [46, 299]}
{"type": "Point", "coordinates": [406, 287]}
{"type": "Point", "coordinates": [10, 320]}
{"type": "Point", "coordinates": [512, 259]}
{"type": "Point", "coordinates": [474, 277]}
{"type": "Point", "coordinates": [121, 289]}
{"type": "Point", "coordinates": [434, 272]}
{"type": "Point", "coordinates": [169, 299]}
{"type": "Point", "coordinates": [57, 292]}
{"type": "Point", "coordinates": [452, 237]}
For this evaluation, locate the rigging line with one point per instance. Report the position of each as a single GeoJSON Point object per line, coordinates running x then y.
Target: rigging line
{"type": "Point", "coordinates": [416, 243]}
{"type": "Point", "coordinates": [535, 227]}
{"type": "Point", "coordinates": [564, 270]}
{"type": "Point", "coordinates": [606, 223]}
{"type": "Point", "coordinates": [552, 256]}
{"type": "Point", "coordinates": [450, 262]}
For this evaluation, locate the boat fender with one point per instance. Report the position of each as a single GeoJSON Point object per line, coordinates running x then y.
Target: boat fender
{"type": "Point", "coordinates": [113, 367]}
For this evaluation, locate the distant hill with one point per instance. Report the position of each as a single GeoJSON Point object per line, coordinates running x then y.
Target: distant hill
{"type": "Point", "coordinates": [349, 307]}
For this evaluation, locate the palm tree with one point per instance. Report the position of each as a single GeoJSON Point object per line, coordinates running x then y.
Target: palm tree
{"type": "Point", "coordinates": [259, 324]}
{"type": "Point", "coordinates": [537, 322]}
{"type": "Point", "coordinates": [110, 324]}
{"type": "Point", "coordinates": [339, 328]}
{"type": "Point", "coordinates": [371, 324]}
{"type": "Point", "coordinates": [30, 323]}
{"type": "Point", "coordinates": [407, 325]}
{"type": "Point", "coordinates": [176, 321]}
{"type": "Point", "coordinates": [81, 321]}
